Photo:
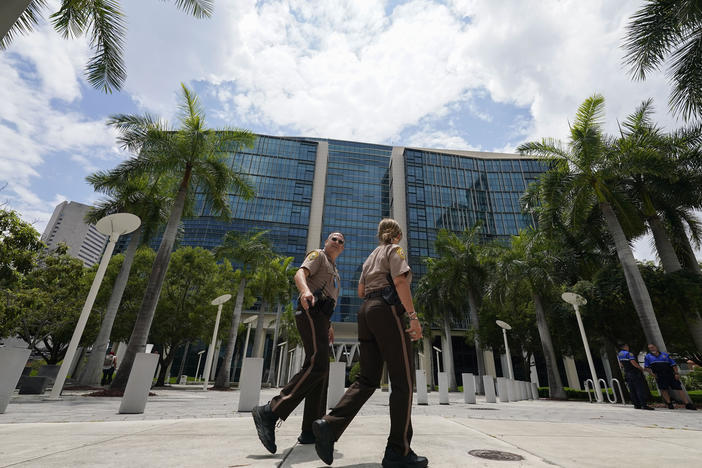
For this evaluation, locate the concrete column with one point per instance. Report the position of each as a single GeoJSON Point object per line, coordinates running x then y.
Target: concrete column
{"type": "Point", "coordinates": [533, 374]}
{"type": "Point", "coordinates": [428, 361]}
{"type": "Point", "coordinates": [571, 372]}
{"type": "Point", "coordinates": [398, 208]}
{"type": "Point", "coordinates": [605, 363]}
{"type": "Point", "coordinates": [314, 233]}
{"type": "Point", "coordinates": [421, 379]}
{"type": "Point", "coordinates": [505, 365]}
{"type": "Point", "coordinates": [489, 363]}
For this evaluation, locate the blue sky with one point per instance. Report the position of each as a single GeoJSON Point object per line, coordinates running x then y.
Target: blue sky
{"type": "Point", "coordinates": [461, 74]}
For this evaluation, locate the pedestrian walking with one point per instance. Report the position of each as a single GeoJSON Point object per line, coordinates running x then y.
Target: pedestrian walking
{"type": "Point", "coordinates": [318, 281]}
{"type": "Point", "coordinates": [387, 324]}
{"type": "Point", "coordinates": [667, 375]}
{"type": "Point", "coordinates": [633, 374]}
{"type": "Point", "coordinates": [108, 368]}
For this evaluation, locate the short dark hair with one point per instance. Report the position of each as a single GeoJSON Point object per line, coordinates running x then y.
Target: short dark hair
{"type": "Point", "coordinates": [620, 345]}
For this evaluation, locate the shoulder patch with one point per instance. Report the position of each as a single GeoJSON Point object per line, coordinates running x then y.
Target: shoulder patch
{"type": "Point", "coordinates": [401, 253]}
{"type": "Point", "coordinates": [312, 255]}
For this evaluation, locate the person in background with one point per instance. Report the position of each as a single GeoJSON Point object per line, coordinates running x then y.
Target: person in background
{"type": "Point", "coordinates": [667, 375]}
{"type": "Point", "coordinates": [108, 368]}
{"type": "Point", "coordinates": [633, 374]}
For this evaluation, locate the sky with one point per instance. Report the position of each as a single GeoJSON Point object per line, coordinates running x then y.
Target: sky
{"type": "Point", "coordinates": [455, 74]}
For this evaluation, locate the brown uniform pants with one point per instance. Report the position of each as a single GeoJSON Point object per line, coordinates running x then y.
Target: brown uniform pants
{"type": "Point", "coordinates": [310, 383]}
{"type": "Point", "coordinates": [382, 338]}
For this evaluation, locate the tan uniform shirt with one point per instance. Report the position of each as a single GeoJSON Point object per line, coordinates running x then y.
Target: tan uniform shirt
{"type": "Point", "coordinates": [323, 273]}
{"type": "Point", "coordinates": [386, 258]}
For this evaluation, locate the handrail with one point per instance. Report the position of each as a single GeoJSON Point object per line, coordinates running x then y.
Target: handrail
{"type": "Point", "coordinates": [621, 393]}
{"type": "Point", "coordinates": [589, 385]}
{"type": "Point", "coordinates": [606, 390]}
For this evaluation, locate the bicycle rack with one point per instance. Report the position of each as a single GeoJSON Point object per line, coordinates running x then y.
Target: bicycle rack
{"type": "Point", "coordinates": [614, 391]}
{"type": "Point", "coordinates": [590, 385]}
{"type": "Point", "coordinates": [606, 391]}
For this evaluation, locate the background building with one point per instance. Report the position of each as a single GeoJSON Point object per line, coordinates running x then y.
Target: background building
{"type": "Point", "coordinates": [67, 225]}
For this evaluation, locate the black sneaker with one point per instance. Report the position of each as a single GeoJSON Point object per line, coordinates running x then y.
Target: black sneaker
{"type": "Point", "coordinates": [646, 407]}
{"type": "Point", "coordinates": [265, 420]}
{"type": "Point", "coordinates": [394, 460]}
{"type": "Point", "coordinates": [690, 406]}
{"type": "Point", "coordinates": [671, 405]}
{"type": "Point", "coordinates": [324, 441]}
{"type": "Point", "coordinates": [637, 406]}
{"type": "Point", "coordinates": [306, 437]}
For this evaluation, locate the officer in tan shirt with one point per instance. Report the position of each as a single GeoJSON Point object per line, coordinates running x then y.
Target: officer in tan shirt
{"type": "Point", "coordinates": [318, 282]}
{"type": "Point", "coordinates": [383, 338]}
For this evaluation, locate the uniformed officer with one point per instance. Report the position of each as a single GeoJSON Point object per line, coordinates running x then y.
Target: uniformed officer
{"type": "Point", "coordinates": [383, 338]}
{"type": "Point", "coordinates": [633, 374]}
{"type": "Point", "coordinates": [667, 375]}
{"type": "Point", "coordinates": [318, 281]}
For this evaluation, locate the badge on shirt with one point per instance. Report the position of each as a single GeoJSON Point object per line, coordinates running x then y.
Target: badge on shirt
{"type": "Point", "coordinates": [401, 253]}
{"type": "Point", "coordinates": [312, 256]}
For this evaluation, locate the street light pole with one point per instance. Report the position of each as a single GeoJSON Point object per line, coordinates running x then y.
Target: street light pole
{"type": "Point", "coordinates": [577, 300]}
{"type": "Point", "coordinates": [505, 326]}
{"type": "Point", "coordinates": [438, 362]}
{"type": "Point", "coordinates": [210, 351]}
{"type": "Point", "coordinates": [197, 371]}
{"type": "Point", "coordinates": [113, 226]}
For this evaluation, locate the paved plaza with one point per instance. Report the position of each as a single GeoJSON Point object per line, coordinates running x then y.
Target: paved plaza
{"type": "Point", "coordinates": [190, 428]}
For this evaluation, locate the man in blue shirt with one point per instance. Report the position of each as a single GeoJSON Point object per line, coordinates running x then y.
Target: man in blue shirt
{"type": "Point", "coordinates": [633, 374]}
{"type": "Point", "coordinates": [667, 375]}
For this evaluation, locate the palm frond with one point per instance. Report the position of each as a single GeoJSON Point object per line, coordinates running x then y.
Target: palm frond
{"type": "Point", "coordinates": [196, 8]}
{"type": "Point", "coordinates": [106, 69]}
{"type": "Point", "coordinates": [72, 19]}
{"type": "Point", "coordinates": [190, 111]}
{"type": "Point", "coordinates": [686, 74]}
{"type": "Point", "coordinates": [25, 23]}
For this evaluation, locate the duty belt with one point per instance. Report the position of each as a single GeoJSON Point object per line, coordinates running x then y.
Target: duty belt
{"type": "Point", "coordinates": [373, 294]}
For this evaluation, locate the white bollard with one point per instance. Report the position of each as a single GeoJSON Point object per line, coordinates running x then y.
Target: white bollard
{"type": "Point", "coordinates": [422, 397]}
{"type": "Point", "coordinates": [502, 391]}
{"type": "Point", "coordinates": [527, 389]}
{"type": "Point", "coordinates": [337, 379]}
{"type": "Point", "coordinates": [522, 392]}
{"type": "Point", "coordinates": [250, 384]}
{"type": "Point", "coordinates": [12, 361]}
{"type": "Point", "coordinates": [535, 391]}
{"type": "Point", "coordinates": [443, 388]}
{"type": "Point", "coordinates": [183, 380]}
{"type": "Point", "coordinates": [489, 385]}
{"type": "Point", "coordinates": [510, 390]}
{"type": "Point", "coordinates": [140, 379]}
{"type": "Point", "coordinates": [468, 388]}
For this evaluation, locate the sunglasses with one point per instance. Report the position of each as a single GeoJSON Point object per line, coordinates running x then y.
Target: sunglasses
{"type": "Point", "coordinates": [338, 240]}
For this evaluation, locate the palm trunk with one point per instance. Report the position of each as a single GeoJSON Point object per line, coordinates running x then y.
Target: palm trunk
{"type": "Point", "coordinates": [447, 353]}
{"type": "Point", "coordinates": [140, 334]}
{"type": "Point", "coordinates": [634, 280]}
{"type": "Point", "coordinates": [166, 366]}
{"type": "Point", "coordinates": [273, 369]}
{"type": "Point", "coordinates": [10, 11]}
{"type": "Point", "coordinates": [671, 264]}
{"type": "Point", "coordinates": [555, 385]}
{"type": "Point", "coordinates": [93, 370]}
{"type": "Point", "coordinates": [682, 242]}
{"type": "Point", "coordinates": [478, 347]}
{"type": "Point", "coordinates": [224, 375]}
{"type": "Point", "coordinates": [259, 339]}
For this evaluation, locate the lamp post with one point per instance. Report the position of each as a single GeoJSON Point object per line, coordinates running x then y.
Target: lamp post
{"type": "Point", "coordinates": [438, 362]}
{"type": "Point", "coordinates": [210, 351]}
{"type": "Point", "coordinates": [113, 226]}
{"type": "Point", "coordinates": [506, 326]}
{"type": "Point", "coordinates": [197, 371]}
{"type": "Point", "coordinates": [250, 321]}
{"type": "Point", "coordinates": [576, 301]}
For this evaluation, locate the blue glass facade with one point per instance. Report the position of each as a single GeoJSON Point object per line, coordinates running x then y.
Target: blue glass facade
{"type": "Point", "coordinates": [356, 197]}
{"type": "Point", "coordinates": [450, 191]}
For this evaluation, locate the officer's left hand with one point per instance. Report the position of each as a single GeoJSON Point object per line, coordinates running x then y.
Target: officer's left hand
{"type": "Point", "coordinates": [331, 335]}
{"type": "Point", "coordinates": [677, 376]}
{"type": "Point", "coordinates": [414, 330]}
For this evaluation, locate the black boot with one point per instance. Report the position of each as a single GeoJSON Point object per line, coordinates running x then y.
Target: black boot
{"type": "Point", "coordinates": [324, 441]}
{"type": "Point", "coordinates": [265, 420]}
{"type": "Point", "coordinates": [394, 460]}
{"type": "Point", "coordinates": [690, 406]}
{"type": "Point", "coordinates": [306, 437]}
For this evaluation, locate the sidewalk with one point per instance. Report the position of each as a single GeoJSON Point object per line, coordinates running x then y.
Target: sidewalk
{"type": "Point", "coordinates": [193, 429]}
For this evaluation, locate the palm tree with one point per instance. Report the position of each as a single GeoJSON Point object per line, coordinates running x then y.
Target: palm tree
{"type": "Point", "coordinates": [583, 181]}
{"type": "Point", "coordinates": [669, 29]}
{"type": "Point", "coordinates": [101, 20]}
{"type": "Point", "coordinates": [195, 155]}
{"type": "Point", "coordinates": [248, 250]}
{"type": "Point", "coordinates": [460, 259]}
{"type": "Point", "coordinates": [140, 196]}
{"type": "Point", "coordinates": [272, 283]}
{"type": "Point", "coordinates": [531, 260]}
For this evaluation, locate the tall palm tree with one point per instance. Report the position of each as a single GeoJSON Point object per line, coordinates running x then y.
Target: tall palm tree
{"type": "Point", "coordinates": [272, 284]}
{"type": "Point", "coordinates": [248, 250]}
{"type": "Point", "coordinates": [461, 259]}
{"type": "Point", "coordinates": [197, 156]}
{"type": "Point", "coordinates": [101, 20]}
{"type": "Point", "coordinates": [669, 30]}
{"type": "Point", "coordinates": [145, 198]}
{"type": "Point", "coordinates": [583, 180]}
{"type": "Point", "coordinates": [531, 260]}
